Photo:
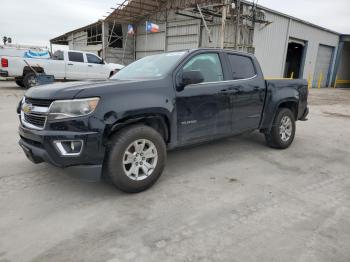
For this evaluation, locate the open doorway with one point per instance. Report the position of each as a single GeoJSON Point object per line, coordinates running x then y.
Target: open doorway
{"type": "Point", "coordinates": [295, 60]}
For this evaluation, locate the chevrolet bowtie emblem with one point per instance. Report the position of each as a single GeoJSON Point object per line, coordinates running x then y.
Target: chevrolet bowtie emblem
{"type": "Point", "coordinates": [27, 108]}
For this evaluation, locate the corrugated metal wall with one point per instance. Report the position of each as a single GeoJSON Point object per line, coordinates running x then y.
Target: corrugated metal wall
{"type": "Point", "coordinates": [151, 43]}
{"type": "Point", "coordinates": [271, 43]}
{"type": "Point", "coordinates": [183, 34]}
{"type": "Point", "coordinates": [78, 40]}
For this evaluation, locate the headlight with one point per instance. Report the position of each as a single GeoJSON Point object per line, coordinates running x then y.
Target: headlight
{"type": "Point", "coordinates": [61, 109]}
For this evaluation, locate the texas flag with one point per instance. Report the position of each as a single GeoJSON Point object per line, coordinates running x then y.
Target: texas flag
{"type": "Point", "coordinates": [131, 30]}
{"type": "Point", "coordinates": [152, 28]}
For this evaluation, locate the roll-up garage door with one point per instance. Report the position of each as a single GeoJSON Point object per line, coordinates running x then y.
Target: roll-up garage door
{"type": "Point", "coordinates": [323, 65]}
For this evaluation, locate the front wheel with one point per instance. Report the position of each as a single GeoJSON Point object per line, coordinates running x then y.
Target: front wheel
{"type": "Point", "coordinates": [135, 158]}
{"type": "Point", "coordinates": [282, 132]}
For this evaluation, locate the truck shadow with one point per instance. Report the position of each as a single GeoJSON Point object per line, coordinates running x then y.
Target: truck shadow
{"type": "Point", "coordinates": [206, 154]}
{"type": "Point", "coordinates": [179, 163]}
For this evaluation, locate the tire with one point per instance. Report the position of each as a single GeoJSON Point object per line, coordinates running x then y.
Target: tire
{"type": "Point", "coordinates": [128, 167]}
{"type": "Point", "coordinates": [29, 80]}
{"type": "Point", "coordinates": [19, 82]}
{"type": "Point", "coordinates": [282, 133]}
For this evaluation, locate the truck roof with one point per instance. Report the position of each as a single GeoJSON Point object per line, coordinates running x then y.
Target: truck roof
{"type": "Point", "coordinates": [214, 49]}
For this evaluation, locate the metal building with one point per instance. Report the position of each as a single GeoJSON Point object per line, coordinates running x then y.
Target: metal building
{"type": "Point", "coordinates": [285, 46]}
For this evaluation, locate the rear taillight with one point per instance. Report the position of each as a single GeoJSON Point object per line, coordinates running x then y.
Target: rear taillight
{"type": "Point", "coordinates": [4, 62]}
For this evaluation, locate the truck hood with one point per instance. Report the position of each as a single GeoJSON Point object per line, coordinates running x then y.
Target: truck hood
{"type": "Point", "coordinates": [71, 90]}
{"type": "Point", "coordinates": [113, 66]}
{"type": "Point", "coordinates": [59, 90]}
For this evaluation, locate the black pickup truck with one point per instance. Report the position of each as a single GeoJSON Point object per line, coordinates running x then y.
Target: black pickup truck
{"type": "Point", "coordinates": [124, 126]}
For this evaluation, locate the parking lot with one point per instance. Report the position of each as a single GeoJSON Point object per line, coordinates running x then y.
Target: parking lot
{"type": "Point", "coordinates": [230, 200]}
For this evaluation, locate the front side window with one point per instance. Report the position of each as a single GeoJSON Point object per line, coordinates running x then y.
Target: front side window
{"type": "Point", "coordinates": [208, 64]}
{"type": "Point", "coordinates": [92, 59]}
{"type": "Point", "coordinates": [76, 57]}
{"type": "Point", "coordinates": [242, 67]}
{"type": "Point", "coordinates": [150, 67]}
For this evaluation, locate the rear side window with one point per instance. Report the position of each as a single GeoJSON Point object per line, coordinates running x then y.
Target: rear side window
{"type": "Point", "coordinates": [242, 67]}
{"type": "Point", "coordinates": [58, 55]}
{"type": "Point", "coordinates": [93, 59]}
{"type": "Point", "coordinates": [76, 57]}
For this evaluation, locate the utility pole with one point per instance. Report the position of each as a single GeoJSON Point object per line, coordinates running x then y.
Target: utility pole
{"type": "Point", "coordinates": [238, 21]}
{"type": "Point", "coordinates": [223, 23]}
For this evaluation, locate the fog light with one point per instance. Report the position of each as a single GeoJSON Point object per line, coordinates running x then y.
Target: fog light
{"type": "Point", "coordinates": [69, 147]}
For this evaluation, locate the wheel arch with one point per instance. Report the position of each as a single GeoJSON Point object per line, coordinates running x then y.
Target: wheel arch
{"type": "Point", "coordinates": [271, 112]}
{"type": "Point", "coordinates": [291, 105]}
{"type": "Point", "coordinates": [157, 121]}
{"type": "Point", "coordinates": [27, 70]}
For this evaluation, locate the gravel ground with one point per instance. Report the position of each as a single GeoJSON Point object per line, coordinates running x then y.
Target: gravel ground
{"type": "Point", "coordinates": [230, 200]}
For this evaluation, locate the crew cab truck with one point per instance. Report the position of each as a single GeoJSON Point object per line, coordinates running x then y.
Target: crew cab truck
{"type": "Point", "coordinates": [124, 126]}
{"type": "Point", "coordinates": [63, 65]}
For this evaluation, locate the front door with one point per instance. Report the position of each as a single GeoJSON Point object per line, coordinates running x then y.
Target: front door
{"type": "Point", "coordinates": [204, 109]}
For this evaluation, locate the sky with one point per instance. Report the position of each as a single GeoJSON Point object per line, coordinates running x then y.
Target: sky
{"type": "Point", "coordinates": [35, 22]}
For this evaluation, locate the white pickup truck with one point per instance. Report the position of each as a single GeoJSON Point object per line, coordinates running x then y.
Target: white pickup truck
{"type": "Point", "coordinates": [63, 65]}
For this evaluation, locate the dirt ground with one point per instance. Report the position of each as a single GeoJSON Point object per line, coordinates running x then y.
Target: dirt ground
{"type": "Point", "coordinates": [230, 200]}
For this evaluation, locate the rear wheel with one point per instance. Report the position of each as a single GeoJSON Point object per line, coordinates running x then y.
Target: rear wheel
{"type": "Point", "coordinates": [282, 132]}
{"type": "Point", "coordinates": [30, 80]}
{"type": "Point", "coordinates": [19, 82]}
{"type": "Point", "coordinates": [136, 158]}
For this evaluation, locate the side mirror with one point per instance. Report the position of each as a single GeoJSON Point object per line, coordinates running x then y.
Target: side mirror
{"type": "Point", "coordinates": [102, 62]}
{"type": "Point", "coordinates": [190, 78]}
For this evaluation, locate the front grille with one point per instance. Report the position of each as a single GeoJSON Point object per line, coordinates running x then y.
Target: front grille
{"type": "Point", "coordinates": [35, 119]}
{"type": "Point", "coordinates": [38, 102]}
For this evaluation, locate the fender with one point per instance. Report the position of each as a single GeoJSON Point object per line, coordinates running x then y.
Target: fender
{"type": "Point", "coordinates": [275, 97]}
{"type": "Point", "coordinates": [157, 120]}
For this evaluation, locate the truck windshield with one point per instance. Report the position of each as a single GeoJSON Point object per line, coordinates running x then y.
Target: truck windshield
{"type": "Point", "coordinates": [150, 67]}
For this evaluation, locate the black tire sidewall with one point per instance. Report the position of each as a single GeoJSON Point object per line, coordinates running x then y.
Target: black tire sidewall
{"type": "Point", "coordinates": [275, 132]}
{"type": "Point", "coordinates": [119, 143]}
{"type": "Point", "coordinates": [19, 82]}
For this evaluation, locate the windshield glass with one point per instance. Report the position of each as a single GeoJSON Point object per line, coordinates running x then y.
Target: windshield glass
{"type": "Point", "coordinates": [150, 67]}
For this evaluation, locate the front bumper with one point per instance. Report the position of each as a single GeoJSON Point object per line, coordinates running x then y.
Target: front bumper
{"type": "Point", "coordinates": [4, 73]}
{"type": "Point", "coordinates": [38, 146]}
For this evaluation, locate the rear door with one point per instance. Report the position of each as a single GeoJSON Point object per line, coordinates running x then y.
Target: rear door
{"type": "Point", "coordinates": [56, 66]}
{"type": "Point", "coordinates": [247, 92]}
{"type": "Point", "coordinates": [76, 68]}
{"type": "Point", "coordinates": [204, 109]}
{"type": "Point", "coordinates": [96, 67]}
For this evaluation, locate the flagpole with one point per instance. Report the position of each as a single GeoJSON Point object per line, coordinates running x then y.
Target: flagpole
{"type": "Point", "coordinates": [146, 39]}
{"type": "Point", "coordinates": [126, 41]}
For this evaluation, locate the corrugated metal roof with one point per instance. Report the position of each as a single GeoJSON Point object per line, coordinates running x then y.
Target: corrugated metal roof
{"type": "Point", "coordinates": [135, 10]}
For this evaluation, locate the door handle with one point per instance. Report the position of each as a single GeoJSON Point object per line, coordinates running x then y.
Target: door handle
{"type": "Point", "coordinates": [230, 91]}
{"type": "Point", "coordinates": [70, 64]}
{"type": "Point", "coordinates": [89, 65]}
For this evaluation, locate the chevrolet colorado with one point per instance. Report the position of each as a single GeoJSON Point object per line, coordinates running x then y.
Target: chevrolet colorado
{"type": "Point", "coordinates": [124, 126]}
